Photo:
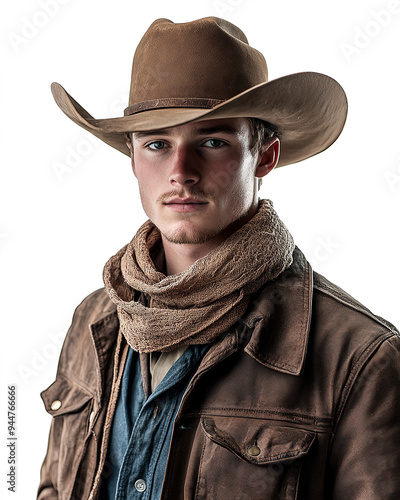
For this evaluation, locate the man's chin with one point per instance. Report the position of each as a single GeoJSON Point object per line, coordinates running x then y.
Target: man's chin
{"type": "Point", "coordinates": [186, 237]}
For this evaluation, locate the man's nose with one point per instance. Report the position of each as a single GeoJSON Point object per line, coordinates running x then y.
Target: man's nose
{"type": "Point", "coordinates": [184, 169]}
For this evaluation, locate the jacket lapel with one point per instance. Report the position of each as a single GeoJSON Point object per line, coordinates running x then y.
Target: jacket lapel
{"type": "Point", "coordinates": [104, 332]}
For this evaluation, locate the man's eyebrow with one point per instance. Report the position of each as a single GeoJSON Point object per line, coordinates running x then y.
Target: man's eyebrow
{"type": "Point", "coordinates": [161, 131]}
{"type": "Point", "coordinates": [227, 129]}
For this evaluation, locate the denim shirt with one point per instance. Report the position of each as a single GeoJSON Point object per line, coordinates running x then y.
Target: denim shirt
{"type": "Point", "coordinates": [141, 430]}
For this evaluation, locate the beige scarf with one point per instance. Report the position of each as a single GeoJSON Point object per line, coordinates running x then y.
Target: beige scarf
{"type": "Point", "coordinates": [204, 301]}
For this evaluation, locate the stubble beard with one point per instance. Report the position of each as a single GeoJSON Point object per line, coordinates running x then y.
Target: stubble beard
{"type": "Point", "coordinates": [190, 236]}
{"type": "Point", "coordinates": [184, 236]}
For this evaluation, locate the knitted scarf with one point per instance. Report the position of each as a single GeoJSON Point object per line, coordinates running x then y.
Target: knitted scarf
{"type": "Point", "coordinates": [204, 301]}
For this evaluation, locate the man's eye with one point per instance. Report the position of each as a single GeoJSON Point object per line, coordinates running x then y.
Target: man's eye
{"type": "Point", "coordinates": [156, 145]}
{"type": "Point", "coordinates": [214, 143]}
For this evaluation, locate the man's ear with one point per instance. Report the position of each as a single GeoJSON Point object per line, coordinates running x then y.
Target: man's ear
{"type": "Point", "coordinates": [268, 157]}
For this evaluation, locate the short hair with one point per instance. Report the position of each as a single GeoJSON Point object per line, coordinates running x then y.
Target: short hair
{"type": "Point", "coordinates": [260, 133]}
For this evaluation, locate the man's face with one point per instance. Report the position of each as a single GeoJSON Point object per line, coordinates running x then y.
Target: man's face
{"type": "Point", "coordinates": [197, 181]}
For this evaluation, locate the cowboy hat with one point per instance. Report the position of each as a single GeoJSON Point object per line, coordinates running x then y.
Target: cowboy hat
{"type": "Point", "coordinates": [205, 69]}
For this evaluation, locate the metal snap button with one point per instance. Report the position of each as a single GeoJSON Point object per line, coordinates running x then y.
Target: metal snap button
{"type": "Point", "coordinates": [140, 485]}
{"type": "Point", "coordinates": [254, 451]}
{"type": "Point", "coordinates": [55, 405]}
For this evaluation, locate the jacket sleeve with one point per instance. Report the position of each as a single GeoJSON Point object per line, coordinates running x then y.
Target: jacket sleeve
{"type": "Point", "coordinates": [70, 462]}
{"type": "Point", "coordinates": [365, 453]}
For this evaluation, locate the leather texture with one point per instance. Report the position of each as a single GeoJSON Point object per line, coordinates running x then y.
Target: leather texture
{"type": "Point", "coordinates": [299, 401]}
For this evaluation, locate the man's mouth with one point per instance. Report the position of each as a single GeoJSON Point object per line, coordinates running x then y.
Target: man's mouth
{"type": "Point", "coordinates": [189, 204]}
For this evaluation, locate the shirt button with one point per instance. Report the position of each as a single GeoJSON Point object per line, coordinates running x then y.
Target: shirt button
{"type": "Point", "coordinates": [254, 451]}
{"type": "Point", "coordinates": [140, 485]}
{"type": "Point", "coordinates": [55, 405]}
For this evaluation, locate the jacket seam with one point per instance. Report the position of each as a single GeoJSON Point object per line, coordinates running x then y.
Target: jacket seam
{"type": "Point", "coordinates": [252, 410]}
{"type": "Point", "coordinates": [357, 308]}
{"type": "Point", "coordinates": [77, 464]}
{"type": "Point", "coordinates": [258, 414]}
{"type": "Point", "coordinates": [70, 379]}
{"type": "Point", "coordinates": [362, 361]}
{"type": "Point", "coordinates": [200, 469]}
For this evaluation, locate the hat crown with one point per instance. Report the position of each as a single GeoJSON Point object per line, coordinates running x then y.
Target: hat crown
{"type": "Point", "coordinates": [205, 59]}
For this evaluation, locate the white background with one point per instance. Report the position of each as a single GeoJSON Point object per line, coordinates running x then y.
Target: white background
{"type": "Point", "coordinates": [57, 231]}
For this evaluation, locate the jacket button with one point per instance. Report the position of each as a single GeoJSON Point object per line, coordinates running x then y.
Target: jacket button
{"type": "Point", "coordinates": [140, 485]}
{"type": "Point", "coordinates": [55, 405]}
{"type": "Point", "coordinates": [91, 416]}
{"type": "Point", "coordinates": [254, 451]}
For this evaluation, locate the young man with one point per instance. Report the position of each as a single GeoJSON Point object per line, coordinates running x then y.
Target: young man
{"type": "Point", "coordinates": [215, 364]}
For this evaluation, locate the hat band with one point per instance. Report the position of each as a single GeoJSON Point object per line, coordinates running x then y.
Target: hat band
{"type": "Point", "coordinates": [176, 102]}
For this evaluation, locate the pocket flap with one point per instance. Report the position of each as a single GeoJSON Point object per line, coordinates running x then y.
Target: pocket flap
{"type": "Point", "coordinates": [258, 441]}
{"type": "Point", "coordinates": [63, 396]}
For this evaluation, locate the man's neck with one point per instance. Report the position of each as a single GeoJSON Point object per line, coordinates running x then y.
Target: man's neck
{"type": "Point", "coordinates": [179, 257]}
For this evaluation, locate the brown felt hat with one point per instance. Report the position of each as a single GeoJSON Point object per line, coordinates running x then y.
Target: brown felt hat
{"type": "Point", "coordinates": [205, 69]}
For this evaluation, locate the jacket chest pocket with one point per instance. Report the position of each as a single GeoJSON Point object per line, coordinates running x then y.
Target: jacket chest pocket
{"type": "Point", "coordinates": [247, 458]}
{"type": "Point", "coordinates": [70, 407]}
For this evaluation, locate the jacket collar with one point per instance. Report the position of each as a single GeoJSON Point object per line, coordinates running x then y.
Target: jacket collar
{"type": "Point", "coordinates": [280, 316]}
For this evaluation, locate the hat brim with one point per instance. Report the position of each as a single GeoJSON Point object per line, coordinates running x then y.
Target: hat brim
{"type": "Point", "coordinates": [309, 108]}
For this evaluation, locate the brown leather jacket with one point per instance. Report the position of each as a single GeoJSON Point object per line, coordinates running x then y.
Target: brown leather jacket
{"type": "Point", "coordinates": [300, 401]}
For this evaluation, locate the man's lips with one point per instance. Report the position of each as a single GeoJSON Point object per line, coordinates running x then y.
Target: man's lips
{"type": "Point", "coordinates": [188, 204]}
{"type": "Point", "coordinates": [185, 201]}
